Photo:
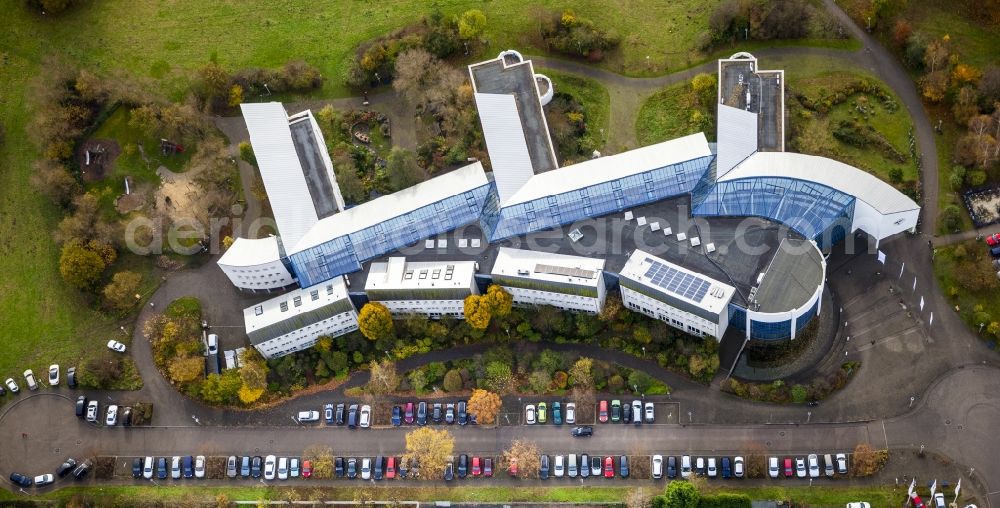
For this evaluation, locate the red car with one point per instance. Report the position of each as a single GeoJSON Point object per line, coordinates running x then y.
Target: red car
{"type": "Point", "coordinates": [609, 467]}
{"type": "Point", "coordinates": [408, 413]}
{"type": "Point", "coordinates": [993, 240]}
{"type": "Point", "coordinates": [476, 469]}
{"type": "Point", "coordinates": [917, 502]}
{"type": "Point", "coordinates": [390, 468]}
{"type": "Point", "coordinates": [307, 468]}
{"type": "Point", "coordinates": [789, 470]}
{"type": "Point", "coordinates": [602, 412]}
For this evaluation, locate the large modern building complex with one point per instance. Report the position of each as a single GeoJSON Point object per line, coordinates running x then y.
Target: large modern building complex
{"type": "Point", "coordinates": [668, 225]}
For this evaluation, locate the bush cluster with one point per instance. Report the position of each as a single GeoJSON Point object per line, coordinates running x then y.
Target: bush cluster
{"type": "Point", "coordinates": [780, 392]}
{"type": "Point", "coordinates": [567, 33]}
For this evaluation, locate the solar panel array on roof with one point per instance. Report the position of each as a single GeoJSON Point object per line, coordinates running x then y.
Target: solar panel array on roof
{"type": "Point", "coordinates": [562, 270]}
{"type": "Point", "coordinates": [677, 282]}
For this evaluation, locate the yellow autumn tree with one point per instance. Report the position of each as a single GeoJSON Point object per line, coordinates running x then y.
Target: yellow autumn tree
{"type": "Point", "coordinates": [485, 405]}
{"type": "Point", "coordinates": [375, 321]}
{"type": "Point", "coordinates": [477, 312]}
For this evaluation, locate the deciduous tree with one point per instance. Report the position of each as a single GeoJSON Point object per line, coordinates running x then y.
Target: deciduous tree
{"type": "Point", "coordinates": [452, 381]}
{"type": "Point", "coordinates": [477, 312]}
{"type": "Point", "coordinates": [403, 170]}
{"type": "Point", "coordinates": [186, 369]}
{"type": "Point", "coordinates": [120, 293]}
{"type": "Point", "coordinates": [471, 24]}
{"type": "Point", "coordinates": [682, 494]}
{"type": "Point", "coordinates": [80, 266]}
{"type": "Point", "coordinates": [383, 378]}
{"type": "Point", "coordinates": [580, 373]}
{"type": "Point", "coordinates": [485, 405]}
{"type": "Point", "coordinates": [322, 460]}
{"type": "Point", "coordinates": [867, 461]}
{"type": "Point", "coordinates": [375, 321]}
{"type": "Point", "coordinates": [526, 454]}
{"type": "Point", "coordinates": [432, 448]}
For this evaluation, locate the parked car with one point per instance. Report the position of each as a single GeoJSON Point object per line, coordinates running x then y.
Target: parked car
{"type": "Point", "coordinates": [339, 414]}
{"type": "Point", "coordinates": [11, 385]}
{"type": "Point", "coordinates": [92, 408]}
{"type": "Point", "coordinates": [727, 468]}
{"type": "Point", "coordinates": [293, 467]}
{"type": "Point", "coordinates": [828, 463]}
{"type": "Point", "coordinates": [116, 346]}
{"type": "Point", "coordinates": [686, 466]}
{"type": "Point", "coordinates": [583, 431]}
{"type": "Point", "coordinates": [772, 467]}
{"type": "Point", "coordinates": [463, 465]}
{"type": "Point", "coordinates": [366, 468]}
{"type": "Point", "coordinates": [270, 464]}
{"type": "Point", "coordinates": [352, 468]}
{"type": "Point", "coordinates": [45, 479]}
{"type": "Point", "coordinates": [449, 472]}
{"type": "Point", "coordinates": [199, 466]}
{"type": "Point", "coordinates": [308, 416]}
{"type": "Point", "coordinates": [713, 470]}
{"type": "Point", "coordinates": [916, 501]}
{"type": "Point", "coordinates": [147, 468]}
{"type": "Point", "coordinates": [136, 467]}
{"type": "Point", "coordinates": [570, 413]}
{"type": "Point", "coordinates": [20, 479]}
{"type": "Point", "coordinates": [422, 413]}
{"type": "Point", "coordinates": [543, 467]}
{"type": "Point", "coordinates": [842, 463]}
{"type": "Point", "coordinates": [282, 473]}
{"type": "Point", "coordinates": [488, 467]}
{"type": "Point", "coordinates": [609, 467]}
{"type": "Point", "coordinates": [328, 413]}
{"type": "Point", "coordinates": [463, 413]}
{"type": "Point", "coordinates": [584, 465]}
{"type": "Point", "coordinates": [800, 467]}
{"type": "Point", "coordinates": [161, 468]}
{"type": "Point", "coordinates": [699, 466]}
{"type": "Point", "coordinates": [437, 412]}
{"type": "Point", "coordinates": [557, 412]}
{"type": "Point", "coordinates": [656, 467]}
{"type": "Point", "coordinates": [397, 416]}
{"type": "Point", "coordinates": [571, 465]}
{"type": "Point", "coordinates": [650, 413]}
{"type": "Point", "coordinates": [616, 411]}
{"type": "Point", "coordinates": [602, 411]}
{"type": "Point", "coordinates": [127, 417]}
{"type": "Point", "coordinates": [244, 466]}
{"type": "Point", "coordinates": [738, 466]}
{"type": "Point", "coordinates": [860, 504]}
{"type": "Point", "coordinates": [671, 467]}
{"type": "Point", "coordinates": [256, 466]}
{"type": "Point", "coordinates": [29, 377]}
{"type": "Point", "coordinates": [789, 471]}
{"type": "Point", "coordinates": [623, 466]}
{"type": "Point", "coordinates": [71, 377]}
{"type": "Point", "coordinates": [81, 471]}
{"type": "Point", "coordinates": [352, 416]}
{"type": "Point", "coordinates": [307, 469]}
{"type": "Point", "coordinates": [81, 406]}
{"type": "Point", "coordinates": [449, 413]}
{"type": "Point", "coordinates": [408, 414]}
{"type": "Point", "coordinates": [365, 420]}
{"type": "Point", "coordinates": [637, 412]}
{"type": "Point", "coordinates": [54, 374]}
{"type": "Point", "coordinates": [813, 465]}
{"type": "Point", "coordinates": [390, 468]}
{"type": "Point", "coordinates": [338, 467]}
{"type": "Point", "coordinates": [542, 412]}
{"type": "Point", "coordinates": [378, 471]}
{"type": "Point", "coordinates": [937, 502]}
{"type": "Point", "coordinates": [112, 416]}
{"type": "Point", "coordinates": [231, 466]}
{"type": "Point", "coordinates": [477, 467]}
{"type": "Point", "coordinates": [188, 467]}
{"type": "Point", "coordinates": [529, 414]}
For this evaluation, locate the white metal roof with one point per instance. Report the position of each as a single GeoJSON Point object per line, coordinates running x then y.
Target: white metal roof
{"type": "Point", "coordinates": [249, 252]}
{"type": "Point", "coordinates": [280, 169]}
{"type": "Point", "coordinates": [392, 205]}
{"type": "Point", "coordinates": [843, 177]}
{"type": "Point", "coordinates": [397, 273]}
{"type": "Point", "coordinates": [269, 312]}
{"type": "Point", "coordinates": [611, 167]}
{"type": "Point", "coordinates": [525, 263]}
{"type": "Point", "coordinates": [715, 298]}
{"type": "Point", "coordinates": [505, 141]}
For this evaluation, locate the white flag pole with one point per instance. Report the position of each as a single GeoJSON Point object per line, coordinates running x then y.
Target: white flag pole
{"type": "Point", "coordinates": [933, 488]}
{"type": "Point", "coordinates": [901, 271]}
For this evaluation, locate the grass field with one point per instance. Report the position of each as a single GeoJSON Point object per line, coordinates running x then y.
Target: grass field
{"type": "Point", "coordinates": [591, 94]}
{"type": "Point", "coordinates": [947, 264]}
{"type": "Point", "coordinates": [667, 114]}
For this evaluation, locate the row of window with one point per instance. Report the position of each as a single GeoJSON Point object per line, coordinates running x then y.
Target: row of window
{"type": "Point", "coordinates": [668, 314]}
{"type": "Point", "coordinates": [306, 336]}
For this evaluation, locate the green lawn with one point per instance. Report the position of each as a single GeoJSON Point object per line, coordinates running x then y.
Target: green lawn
{"type": "Point", "coordinates": [667, 114]}
{"type": "Point", "coordinates": [947, 265]}
{"type": "Point", "coordinates": [591, 94]}
{"type": "Point", "coordinates": [817, 497]}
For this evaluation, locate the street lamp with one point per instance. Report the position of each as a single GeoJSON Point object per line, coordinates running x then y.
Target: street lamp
{"type": "Point", "coordinates": [809, 415]}
{"type": "Point", "coordinates": [912, 398]}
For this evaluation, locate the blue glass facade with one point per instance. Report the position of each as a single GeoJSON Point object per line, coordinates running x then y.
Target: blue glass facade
{"type": "Point", "coordinates": [345, 254]}
{"type": "Point", "coordinates": [809, 208]}
{"type": "Point", "coordinates": [771, 331]}
{"type": "Point", "coordinates": [593, 201]}
{"type": "Point", "coordinates": [805, 318]}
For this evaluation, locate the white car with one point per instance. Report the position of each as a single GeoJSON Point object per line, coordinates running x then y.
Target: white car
{"type": "Point", "coordinates": [772, 467]}
{"type": "Point", "coordinates": [366, 468]}
{"type": "Point", "coordinates": [841, 463]}
{"type": "Point", "coordinates": [11, 385]}
{"type": "Point", "coordinates": [116, 346]}
{"type": "Point", "coordinates": [92, 408]}
{"type": "Point", "coordinates": [112, 417]}
{"type": "Point", "coordinates": [529, 414]}
{"type": "Point", "coordinates": [570, 413]}
{"type": "Point", "coordinates": [269, 464]}
{"type": "Point", "coordinates": [738, 467]}
{"type": "Point", "coordinates": [712, 470]}
{"type": "Point", "coordinates": [813, 466]}
{"type": "Point", "coordinates": [54, 375]}
{"type": "Point", "coordinates": [657, 467]}
{"type": "Point", "coordinates": [283, 468]}
{"type": "Point", "coordinates": [175, 467]}
{"type": "Point", "coordinates": [147, 468]}
{"type": "Point", "coordinates": [800, 467]}
{"type": "Point", "coordinates": [308, 416]}
{"type": "Point", "coordinates": [43, 479]}
{"type": "Point", "coordinates": [29, 377]}
{"type": "Point", "coordinates": [365, 420]}
{"type": "Point", "coordinates": [650, 413]}
{"type": "Point", "coordinates": [686, 466]}
{"type": "Point", "coordinates": [937, 502]}
{"type": "Point", "coordinates": [636, 412]}
{"type": "Point", "coordinates": [859, 504]}
{"type": "Point", "coordinates": [560, 467]}
{"type": "Point", "coordinates": [199, 466]}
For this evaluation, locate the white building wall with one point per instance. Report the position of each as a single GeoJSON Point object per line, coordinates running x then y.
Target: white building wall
{"type": "Point", "coordinates": [263, 277]}
{"type": "Point", "coordinates": [879, 225]}
{"type": "Point", "coordinates": [534, 297]}
{"type": "Point", "coordinates": [673, 316]}
{"type": "Point", "coordinates": [431, 308]}
{"type": "Point", "coordinates": [306, 337]}
{"type": "Point", "coordinates": [737, 137]}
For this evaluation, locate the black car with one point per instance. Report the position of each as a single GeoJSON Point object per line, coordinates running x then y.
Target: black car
{"type": "Point", "coordinates": [245, 466]}
{"type": "Point", "coordinates": [3, 391]}
{"type": "Point", "coordinates": [20, 479]}
{"type": "Point", "coordinates": [379, 467]}
{"type": "Point", "coordinates": [671, 467]}
{"type": "Point", "coordinates": [585, 431]}
{"type": "Point", "coordinates": [543, 467]}
{"type": "Point", "coordinates": [352, 467]}
{"type": "Point", "coordinates": [463, 416]}
{"type": "Point", "coordinates": [422, 413]}
{"type": "Point", "coordinates": [127, 417]}
{"type": "Point", "coordinates": [340, 414]}
{"type": "Point", "coordinates": [71, 377]}
{"type": "Point", "coordinates": [161, 468]}
{"type": "Point", "coordinates": [397, 416]}
{"type": "Point", "coordinates": [626, 413]}
{"type": "Point", "coordinates": [339, 467]}
{"type": "Point", "coordinates": [449, 472]}
{"type": "Point", "coordinates": [255, 466]}
{"type": "Point", "coordinates": [81, 406]}
{"type": "Point", "coordinates": [463, 465]}
{"type": "Point", "coordinates": [136, 467]}
{"type": "Point", "coordinates": [66, 467]}
{"type": "Point", "coordinates": [436, 416]}
{"type": "Point", "coordinates": [81, 471]}
{"type": "Point", "coordinates": [352, 416]}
